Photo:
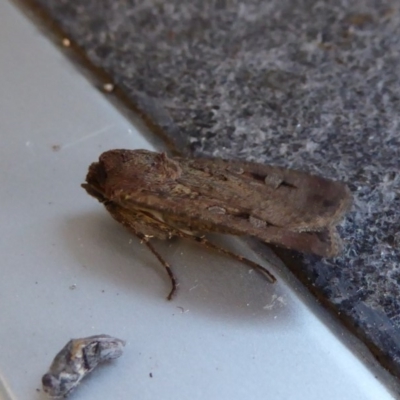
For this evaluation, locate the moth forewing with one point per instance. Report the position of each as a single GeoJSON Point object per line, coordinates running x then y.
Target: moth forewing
{"type": "Point", "coordinates": [300, 201]}
{"type": "Point", "coordinates": [154, 195]}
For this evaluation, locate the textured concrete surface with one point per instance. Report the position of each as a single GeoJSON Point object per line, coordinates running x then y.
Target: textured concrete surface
{"type": "Point", "coordinates": [313, 85]}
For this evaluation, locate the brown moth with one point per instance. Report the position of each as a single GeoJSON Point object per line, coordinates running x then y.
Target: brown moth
{"type": "Point", "coordinates": [154, 195]}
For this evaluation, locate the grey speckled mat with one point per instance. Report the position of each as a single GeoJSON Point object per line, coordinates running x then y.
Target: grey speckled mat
{"type": "Point", "coordinates": [313, 85]}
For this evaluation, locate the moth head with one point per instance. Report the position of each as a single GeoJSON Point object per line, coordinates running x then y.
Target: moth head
{"type": "Point", "coordinates": [102, 174]}
{"type": "Point", "coordinates": [129, 169]}
{"type": "Point", "coordinates": [95, 181]}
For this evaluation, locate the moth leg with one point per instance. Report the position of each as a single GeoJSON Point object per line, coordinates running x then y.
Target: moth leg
{"type": "Point", "coordinates": [167, 267]}
{"type": "Point", "coordinates": [242, 259]}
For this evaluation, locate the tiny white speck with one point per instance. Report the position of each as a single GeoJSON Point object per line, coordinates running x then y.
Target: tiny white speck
{"type": "Point", "coordinates": [283, 149]}
{"type": "Point", "coordinates": [311, 146]}
{"type": "Point", "coordinates": [108, 87]}
{"type": "Point", "coordinates": [66, 42]}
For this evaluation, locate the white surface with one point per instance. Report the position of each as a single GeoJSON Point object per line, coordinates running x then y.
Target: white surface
{"type": "Point", "coordinates": [235, 337]}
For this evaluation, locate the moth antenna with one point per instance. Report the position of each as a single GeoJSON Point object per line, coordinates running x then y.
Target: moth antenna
{"type": "Point", "coordinates": [205, 242]}
{"type": "Point", "coordinates": [174, 282]}
{"type": "Point", "coordinates": [242, 259]}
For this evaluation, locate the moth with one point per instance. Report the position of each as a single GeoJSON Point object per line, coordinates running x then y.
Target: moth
{"type": "Point", "coordinates": [77, 359]}
{"type": "Point", "coordinates": [156, 196]}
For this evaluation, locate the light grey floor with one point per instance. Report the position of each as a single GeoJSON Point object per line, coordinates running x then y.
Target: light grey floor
{"type": "Point", "coordinates": [68, 270]}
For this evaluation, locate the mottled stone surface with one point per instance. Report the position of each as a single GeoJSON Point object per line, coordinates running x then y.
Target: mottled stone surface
{"type": "Point", "coordinates": [307, 84]}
